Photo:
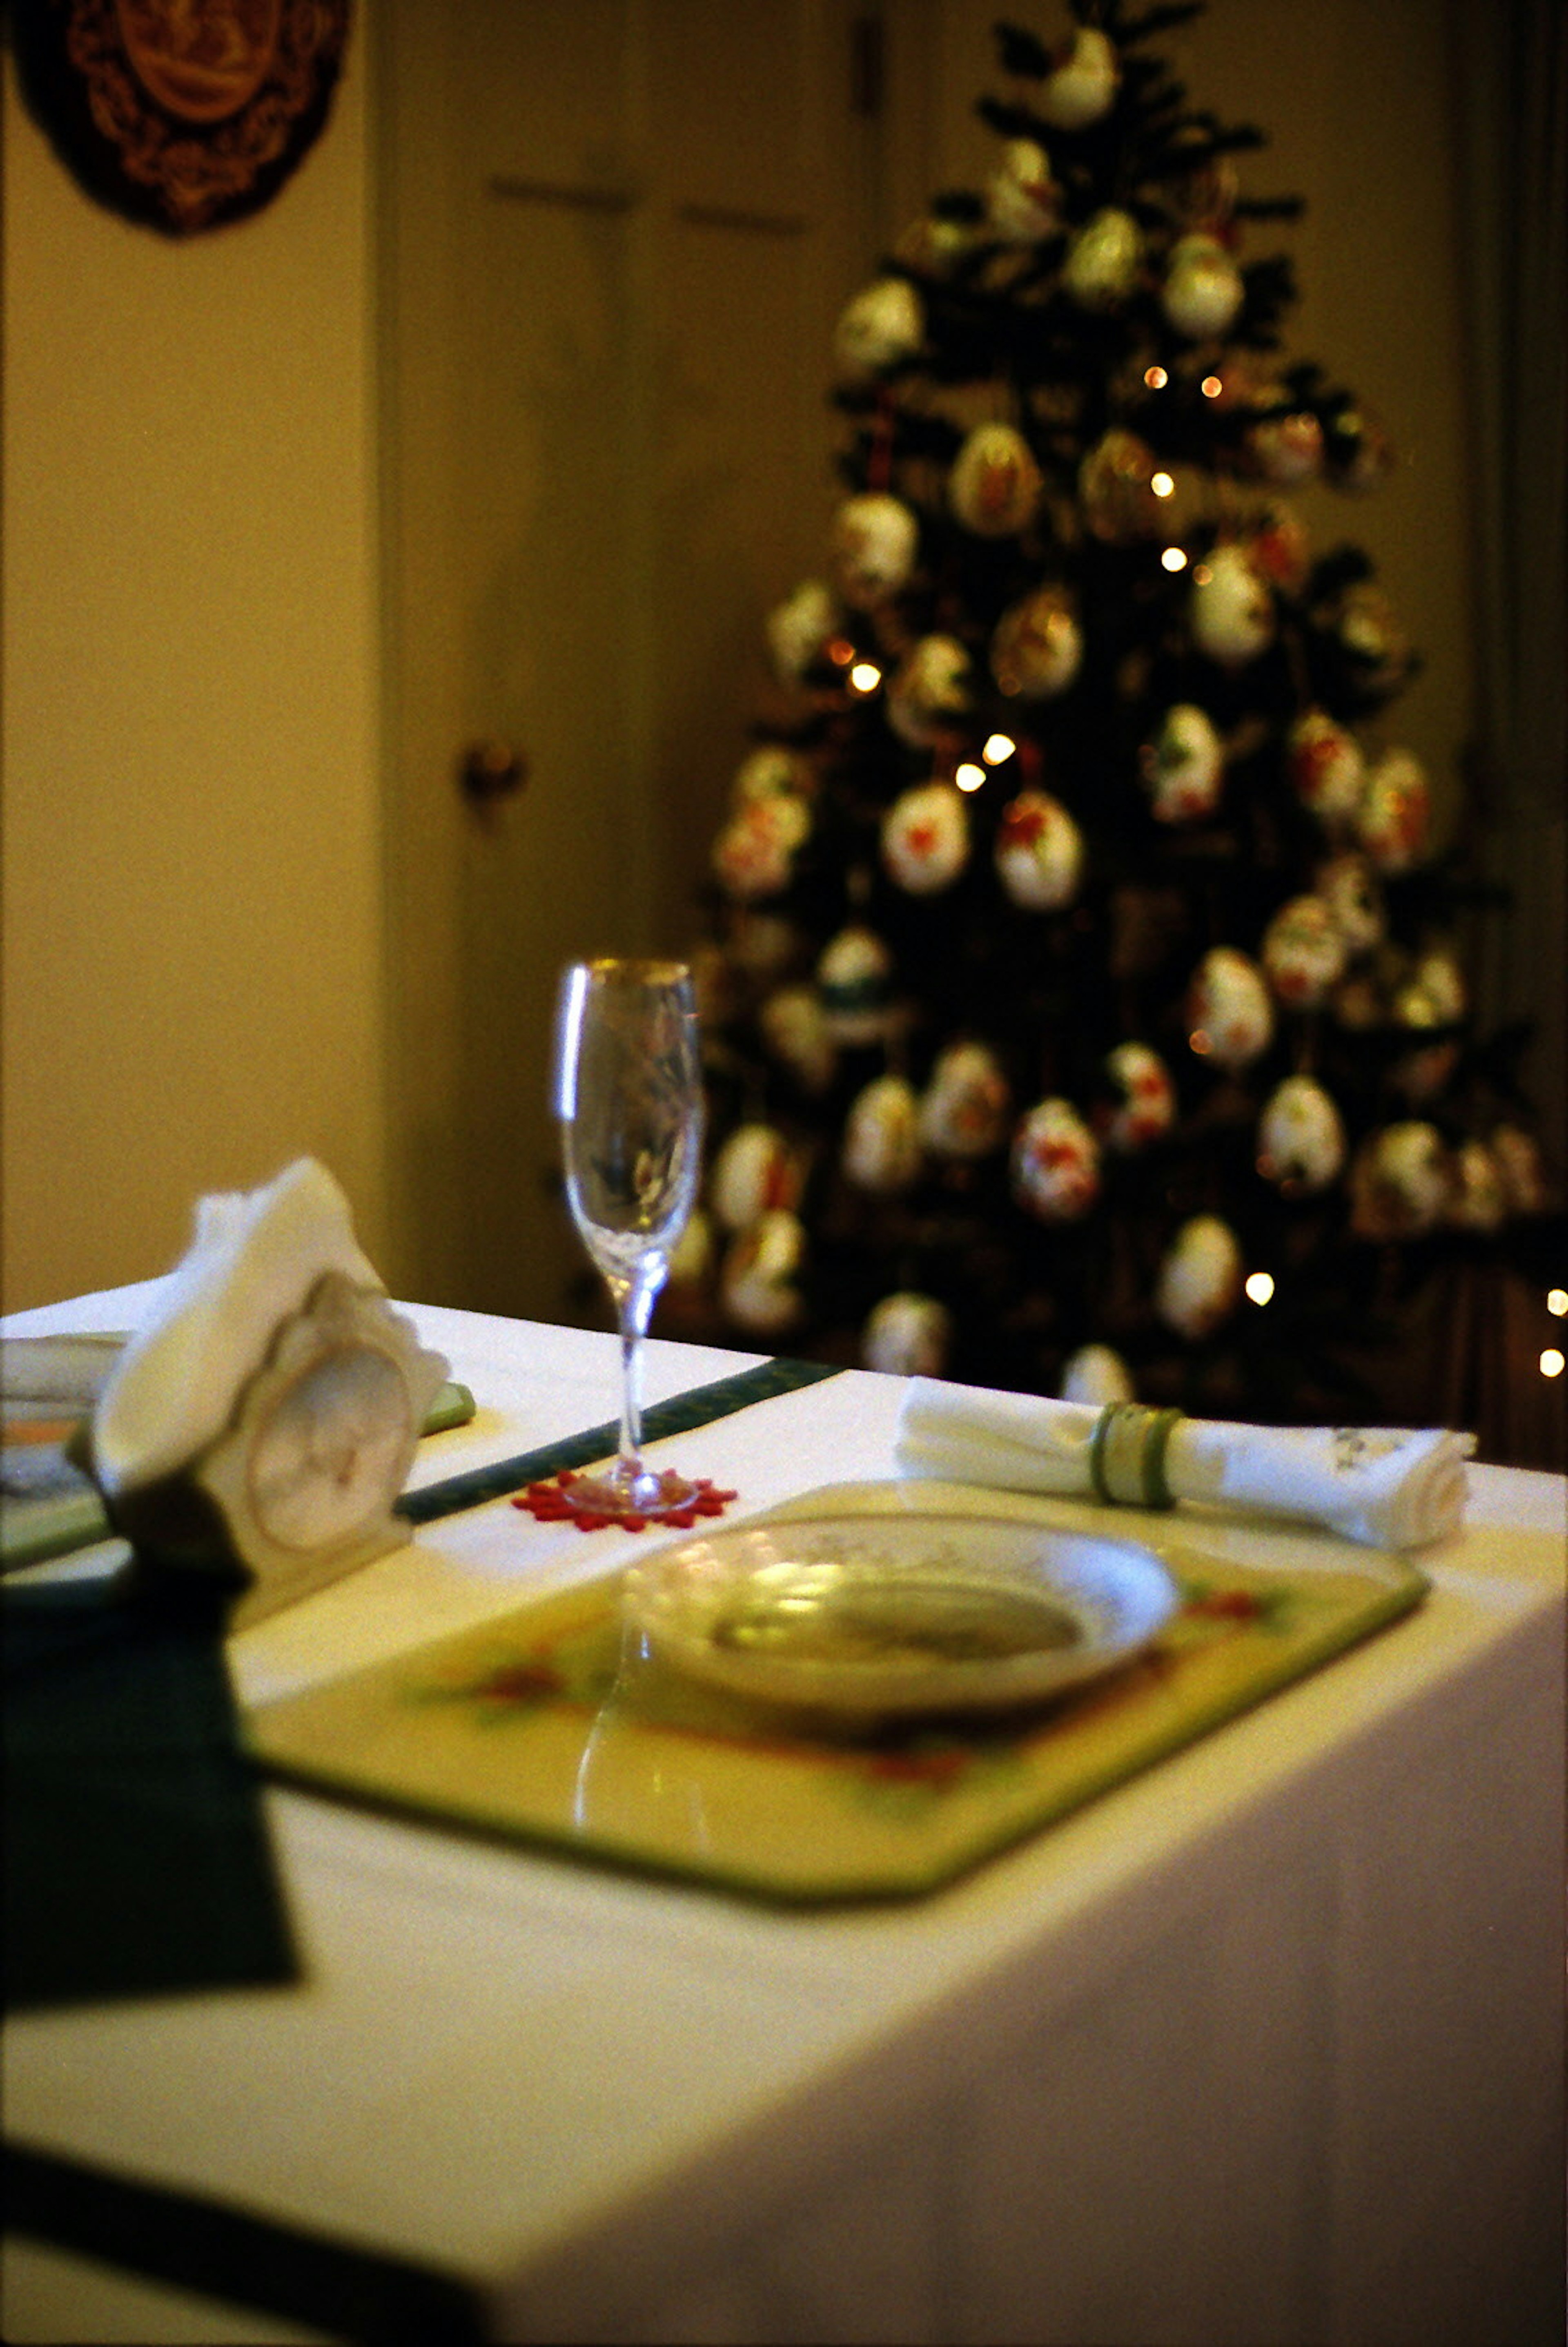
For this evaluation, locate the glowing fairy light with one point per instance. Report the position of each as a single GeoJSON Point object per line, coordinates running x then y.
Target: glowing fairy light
{"type": "Point", "coordinates": [1163, 484]}
{"type": "Point", "coordinates": [969, 777]}
{"type": "Point", "coordinates": [865, 676]}
{"type": "Point", "coordinates": [1557, 1302]}
{"type": "Point", "coordinates": [1552, 1363]}
{"type": "Point", "coordinates": [1260, 1287]}
{"type": "Point", "coordinates": [1211, 386]}
{"type": "Point", "coordinates": [996, 752]}
{"type": "Point", "coordinates": [1156, 377]}
{"type": "Point", "coordinates": [1173, 558]}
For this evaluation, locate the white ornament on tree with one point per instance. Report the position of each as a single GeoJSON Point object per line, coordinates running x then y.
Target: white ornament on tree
{"type": "Point", "coordinates": [1304, 952]}
{"type": "Point", "coordinates": [966, 1104]}
{"type": "Point", "coordinates": [907, 1336]}
{"type": "Point", "coordinates": [1199, 1282]}
{"type": "Point", "coordinates": [1104, 260]}
{"type": "Point", "coordinates": [1203, 290]}
{"type": "Point", "coordinates": [996, 485]}
{"type": "Point", "coordinates": [1037, 646]}
{"type": "Point", "coordinates": [931, 691]}
{"type": "Point", "coordinates": [1301, 1137]}
{"type": "Point", "coordinates": [1056, 1163]}
{"type": "Point", "coordinates": [1143, 1098]}
{"type": "Point", "coordinates": [1232, 609]}
{"type": "Point", "coordinates": [1229, 1013]}
{"type": "Point", "coordinates": [873, 545]}
{"type": "Point", "coordinates": [1081, 88]}
{"type": "Point", "coordinates": [881, 328]}
{"type": "Point", "coordinates": [1039, 852]}
{"type": "Point", "coordinates": [881, 1147]}
{"type": "Point", "coordinates": [1022, 197]}
{"type": "Point", "coordinates": [1184, 765]}
{"type": "Point", "coordinates": [925, 838]}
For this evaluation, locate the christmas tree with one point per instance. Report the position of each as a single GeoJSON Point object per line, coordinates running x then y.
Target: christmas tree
{"type": "Point", "coordinates": [1078, 967]}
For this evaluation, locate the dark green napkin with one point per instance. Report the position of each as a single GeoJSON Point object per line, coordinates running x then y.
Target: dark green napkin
{"type": "Point", "coordinates": [137, 1858]}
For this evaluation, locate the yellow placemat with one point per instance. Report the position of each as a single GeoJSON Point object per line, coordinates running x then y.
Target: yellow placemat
{"type": "Point", "coordinates": [547, 1726]}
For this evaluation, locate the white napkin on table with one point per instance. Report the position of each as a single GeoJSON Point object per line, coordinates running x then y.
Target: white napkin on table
{"type": "Point", "coordinates": [1391, 1487]}
{"type": "Point", "coordinates": [255, 1258]}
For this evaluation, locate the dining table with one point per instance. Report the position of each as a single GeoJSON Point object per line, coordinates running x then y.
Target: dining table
{"type": "Point", "coordinates": [1257, 2036]}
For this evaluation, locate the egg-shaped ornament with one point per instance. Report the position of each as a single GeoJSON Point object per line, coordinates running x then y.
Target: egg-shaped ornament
{"type": "Point", "coordinates": [1229, 1010]}
{"type": "Point", "coordinates": [1055, 1163]}
{"type": "Point", "coordinates": [925, 838]}
{"type": "Point", "coordinates": [794, 1027]}
{"type": "Point", "coordinates": [936, 243]}
{"type": "Point", "coordinates": [760, 943]}
{"type": "Point", "coordinates": [770, 772]}
{"type": "Point", "coordinates": [753, 1169]}
{"type": "Point", "coordinates": [1478, 1199]}
{"type": "Point", "coordinates": [695, 1252]}
{"type": "Point", "coordinates": [1199, 1282]}
{"type": "Point", "coordinates": [967, 1103]}
{"type": "Point", "coordinates": [855, 983]}
{"type": "Point", "coordinates": [882, 328]}
{"type": "Point", "coordinates": [996, 485]}
{"type": "Point", "coordinates": [1039, 852]}
{"type": "Point", "coordinates": [1400, 1181]}
{"type": "Point", "coordinates": [1435, 994]}
{"type": "Point", "coordinates": [1304, 953]}
{"type": "Point", "coordinates": [1523, 1168]}
{"type": "Point", "coordinates": [1023, 201]}
{"type": "Point", "coordinates": [931, 691]}
{"type": "Point", "coordinates": [1280, 545]}
{"type": "Point", "coordinates": [753, 855]}
{"type": "Point", "coordinates": [1286, 446]}
{"type": "Point", "coordinates": [799, 630]}
{"type": "Point", "coordinates": [1081, 87]}
{"type": "Point", "coordinates": [1097, 1375]}
{"type": "Point", "coordinates": [907, 1336]}
{"type": "Point", "coordinates": [1142, 1103]}
{"type": "Point", "coordinates": [882, 1145]}
{"type": "Point", "coordinates": [1203, 290]}
{"type": "Point", "coordinates": [1115, 488]}
{"type": "Point", "coordinates": [1420, 1076]}
{"type": "Point", "coordinates": [1373, 635]}
{"type": "Point", "coordinates": [1037, 646]}
{"type": "Point", "coordinates": [1327, 769]}
{"type": "Point", "coordinates": [1105, 261]}
{"type": "Point", "coordinates": [1358, 452]}
{"type": "Point", "coordinates": [1301, 1138]}
{"type": "Point", "coordinates": [1232, 609]}
{"type": "Point", "coordinates": [872, 547]}
{"type": "Point", "coordinates": [1350, 887]}
{"type": "Point", "coordinates": [1394, 816]}
{"type": "Point", "coordinates": [1182, 766]}
{"type": "Point", "coordinates": [757, 1285]}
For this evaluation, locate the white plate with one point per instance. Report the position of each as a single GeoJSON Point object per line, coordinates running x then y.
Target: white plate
{"type": "Point", "coordinates": [861, 1613]}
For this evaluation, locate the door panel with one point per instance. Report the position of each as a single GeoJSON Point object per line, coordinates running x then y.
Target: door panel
{"type": "Point", "coordinates": [615, 237]}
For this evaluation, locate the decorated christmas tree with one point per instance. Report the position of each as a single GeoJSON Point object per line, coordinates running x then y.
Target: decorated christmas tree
{"type": "Point", "coordinates": [1079, 970]}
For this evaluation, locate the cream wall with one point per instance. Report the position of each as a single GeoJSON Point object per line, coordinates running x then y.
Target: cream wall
{"type": "Point", "coordinates": [192, 906]}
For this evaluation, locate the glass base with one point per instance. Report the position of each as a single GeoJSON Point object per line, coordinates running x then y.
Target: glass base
{"type": "Point", "coordinates": [629, 1504]}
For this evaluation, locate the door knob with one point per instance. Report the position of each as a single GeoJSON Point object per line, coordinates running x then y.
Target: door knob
{"type": "Point", "coordinates": [491, 770]}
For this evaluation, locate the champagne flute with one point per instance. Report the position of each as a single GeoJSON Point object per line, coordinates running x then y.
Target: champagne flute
{"type": "Point", "coordinates": [628, 1095]}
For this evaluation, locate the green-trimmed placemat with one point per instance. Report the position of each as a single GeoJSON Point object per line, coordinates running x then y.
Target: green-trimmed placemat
{"type": "Point", "coordinates": [539, 1727]}
{"type": "Point", "coordinates": [700, 1406]}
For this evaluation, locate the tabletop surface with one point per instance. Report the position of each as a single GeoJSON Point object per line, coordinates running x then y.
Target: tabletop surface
{"type": "Point", "coordinates": [539, 2051]}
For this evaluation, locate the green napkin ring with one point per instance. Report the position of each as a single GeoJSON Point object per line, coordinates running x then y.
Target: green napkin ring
{"type": "Point", "coordinates": [1127, 1455]}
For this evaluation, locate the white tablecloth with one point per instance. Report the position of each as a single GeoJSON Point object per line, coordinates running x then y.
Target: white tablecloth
{"type": "Point", "coordinates": [1265, 2046]}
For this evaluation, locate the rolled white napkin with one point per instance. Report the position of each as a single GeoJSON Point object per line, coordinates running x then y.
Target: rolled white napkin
{"type": "Point", "coordinates": [1391, 1487]}
{"type": "Point", "coordinates": [253, 1261]}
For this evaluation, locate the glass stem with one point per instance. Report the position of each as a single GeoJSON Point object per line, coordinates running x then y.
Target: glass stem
{"type": "Point", "coordinates": [634, 1301]}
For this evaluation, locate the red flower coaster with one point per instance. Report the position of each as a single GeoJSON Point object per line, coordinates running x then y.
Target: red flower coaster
{"type": "Point", "coordinates": [593, 1504]}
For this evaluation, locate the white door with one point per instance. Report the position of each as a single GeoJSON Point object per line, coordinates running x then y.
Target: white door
{"type": "Point", "coordinates": [615, 237]}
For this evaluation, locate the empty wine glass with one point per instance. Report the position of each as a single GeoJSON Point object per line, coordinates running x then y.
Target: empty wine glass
{"type": "Point", "coordinates": [628, 1095]}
